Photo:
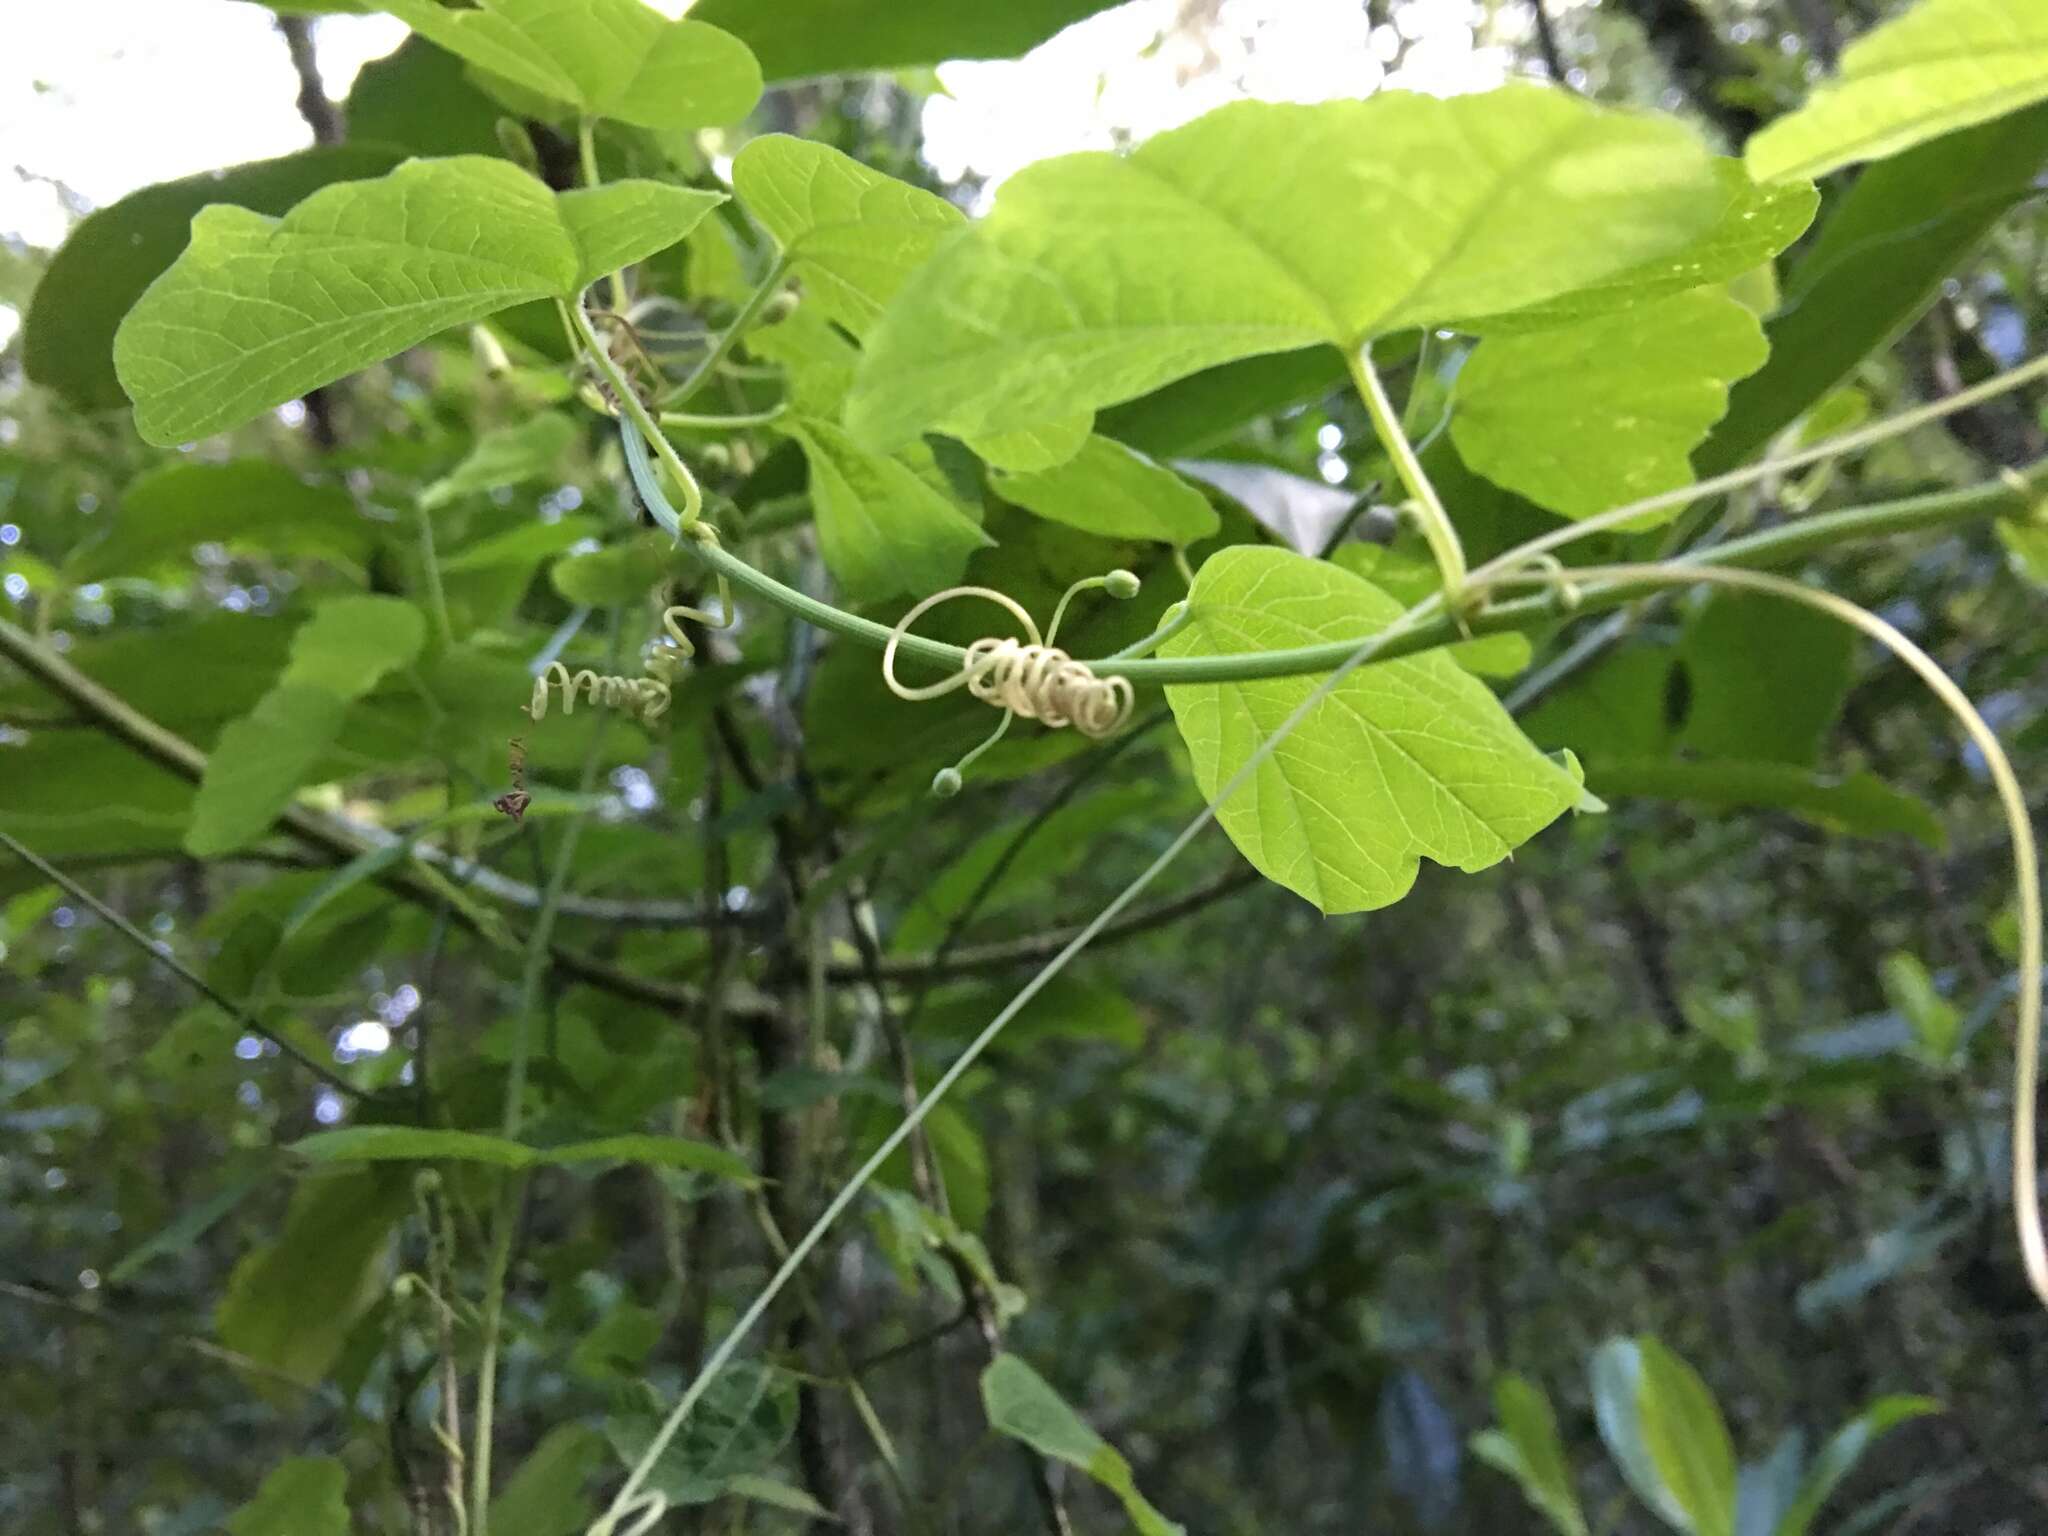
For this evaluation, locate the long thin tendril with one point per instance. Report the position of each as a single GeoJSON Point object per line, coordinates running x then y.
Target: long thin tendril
{"type": "Point", "coordinates": [2025, 857]}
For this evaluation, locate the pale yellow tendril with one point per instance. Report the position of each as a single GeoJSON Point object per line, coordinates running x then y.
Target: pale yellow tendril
{"type": "Point", "coordinates": [1029, 677]}
{"type": "Point", "coordinates": [646, 698]}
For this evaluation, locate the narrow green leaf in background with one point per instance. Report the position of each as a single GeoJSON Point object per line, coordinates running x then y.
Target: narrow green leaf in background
{"type": "Point", "coordinates": [1525, 1446]}
{"type": "Point", "coordinates": [1840, 1455]}
{"type": "Point", "coordinates": [257, 311]}
{"type": "Point", "coordinates": [1617, 1381]}
{"type": "Point", "coordinates": [1405, 760]}
{"type": "Point", "coordinates": [411, 1143]}
{"type": "Point", "coordinates": [1937, 1026]}
{"type": "Point", "coordinates": [1687, 1439]}
{"type": "Point", "coordinates": [529, 450]}
{"type": "Point", "coordinates": [609, 58]}
{"type": "Point", "coordinates": [1023, 1405]}
{"type": "Point", "coordinates": [244, 503]}
{"type": "Point", "coordinates": [1940, 66]}
{"type": "Point", "coordinates": [1608, 410]}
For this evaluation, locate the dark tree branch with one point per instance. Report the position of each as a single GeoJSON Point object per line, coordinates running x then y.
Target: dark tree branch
{"type": "Point", "coordinates": [1701, 63]}
{"type": "Point", "coordinates": [320, 113]}
{"type": "Point", "coordinates": [1546, 42]}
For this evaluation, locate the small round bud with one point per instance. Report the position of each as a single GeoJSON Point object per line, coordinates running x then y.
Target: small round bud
{"type": "Point", "coordinates": [946, 783]}
{"type": "Point", "coordinates": [403, 1287]}
{"type": "Point", "coordinates": [426, 1182]}
{"type": "Point", "coordinates": [779, 307]}
{"type": "Point", "coordinates": [1120, 584]}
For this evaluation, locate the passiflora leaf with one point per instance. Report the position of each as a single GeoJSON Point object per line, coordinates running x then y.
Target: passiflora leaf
{"type": "Point", "coordinates": [507, 456]}
{"type": "Point", "coordinates": [884, 525]}
{"type": "Point", "coordinates": [1020, 1403]}
{"type": "Point", "coordinates": [1117, 492]}
{"type": "Point", "coordinates": [1099, 277]}
{"type": "Point", "coordinates": [165, 513]}
{"type": "Point", "coordinates": [824, 37]}
{"type": "Point", "coordinates": [1409, 759]}
{"type": "Point", "coordinates": [1525, 1446]}
{"type": "Point", "coordinates": [1755, 223]}
{"type": "Point", "coordinates": [119, 250]}
{"type": "Point", "coordinates": [1856, 803]}
{"type": "Point", "coordinates": [306, 1495]}
{"type": "Point", "coordinates": [743, 1420]}
{"type": "Point", "coordinates": [1607, 410]}
{"type": "Point", "coordinates": [1943, 65]}
{"type": "Point", "coordinates": [850, 232]}
{"type": "Point", "coordinates": [1766, 678]}
{"type": "Point", "coordinates": [257, 311]}
{"type": "Point", "coordinates": [423, 99]}
{"type": "Point", "coordinates": [609, 58]}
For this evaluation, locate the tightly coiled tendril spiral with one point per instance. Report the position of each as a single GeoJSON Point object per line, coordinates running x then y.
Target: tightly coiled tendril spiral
{"type": "Point", "coordinates": [645, 698]}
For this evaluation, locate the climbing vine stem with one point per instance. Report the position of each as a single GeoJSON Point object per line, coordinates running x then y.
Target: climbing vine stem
{"type": "Point", "coordinates": [1427, 508]}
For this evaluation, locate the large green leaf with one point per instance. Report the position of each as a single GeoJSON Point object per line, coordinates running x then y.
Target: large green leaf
{"type": "Point", "coordinates": [545, 1496]}
{"type": "Point", "coordinates": [258, 310]}
{"type": "Point", "coordinates": [337, 656]}
{"type": "Point", "coordinates": [119, 250]}
{"type": "Point", "coordinates": [1766, 678]}
{"type": "Point", "coordinates": [1943, 65]}
{"type": "Point", "coordinates": [1117, 492]}
{"type": "Point", "coordinates": [852, 233]}
{"type": "Point", "coordinates": [1264, 228]}
{"type": "Point", "coordinates": [1755, 223]}
{"type": "Point", "coordinates": [1526, 1447]}
{"type": "Point", "coordinates": [290, 1303]}
{"type": "Point", "coordinates": [1409, 759]}
{"type": "Point", "coordinates": [422, 99]}
{"type": "Point", "coordinates": [244, 503]}
{"type": "Point", "coordinates": [306, 1496]}
{"type": "Point", "coordinates": [1023, 1405]}
{"type": "Point", "coordinates": [609, 58]}
{"type": "Point", "coordinates": [885, 525]}
{"type": "Point", "coordinates": [822, 37]}
{"type": "Point", "coordinates": [1607, 410]}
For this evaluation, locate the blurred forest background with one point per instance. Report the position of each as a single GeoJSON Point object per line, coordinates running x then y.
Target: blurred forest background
{"type": "Point", "coordinates": [1282, 1197]}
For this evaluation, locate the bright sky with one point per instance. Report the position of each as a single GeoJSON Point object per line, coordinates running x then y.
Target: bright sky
{"type": "Point", "coordinates": [99, 97]}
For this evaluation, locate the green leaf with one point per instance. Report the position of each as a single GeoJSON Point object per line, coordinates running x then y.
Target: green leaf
{"type": "Point", "coordinates": [1404, 760]}
{"type": "Point", "coordinates": [290, 1303]}
{"type": "Point", "coordinates": [1942, 65]}
{"type": "Point", "coordinates": [412, 1143]}
{"type": "Point", "coordinates": [1909, 989]}
{"type": "Point", "coordinates": [257, 311]}
{"type": "Point", "coordinates": [1526, 1447]}
{"type": "Point", "coordinates": [738, 1427]}
{"type": "Point", "coordinates": [422, 99]}
{"type": "Point", "coordinates": [1766, 678]}
{"type": "Point", "coordinates": [523, 545]}
{"type": "Point", "coordinates": [545, 1496]}
{"type": "Point", "coordinates": [852, 234]}
{"type": "Point", "coordinates": [1687, 1439]}
{"type": "Point", "coordinates": [822, 37]}
{"type": "Point", "coordinates": [528, 450]}
{"type": "Point", "coordinates": [1263, 228]}
{"type": "Point", "coordinates": [244, 503]}
{"type": "Point", "coordinates": [1028, 450]}
{"type": "Point", "coordinates": [618, 1345]}
{"type": "Point", "coordinates": [884, 526]}
{"type": "Point", "coordinates": [337, 656]}
{"type": "Point", "coordinates": [119, 250]}
{"type": "Point", "coordinates": [1116, 492]}
{"type": "Point", "coordinates": [1022, 1404]}
{"type": "Point", "coordinates": [1854, 803]}
{"type": "Point", "coordinates": [608, 58]}
{"type": "Point", "coordinates": [618, 574]}
{"type": "Point", "coordinates": [1876, 264]}
{"type": "Point", "coordinates": [765, 1490]}
{"type": "Point", "coordinates": [1608, 410]}
{"type": "Point", "coordinates": [2026, 546]}
{"type": "Point", "coordinates": [190, 1225]}
{"type": "Point", "coordinates": [1406, 571]}
{"type": "Point", "coordinates": [305, 1496]}
{"type": "Point", "coordinates": [1755, 223]}
{"type": "Point", "coordinates": [1843, 1451]}
{"type": "Point", "coordinates": [1617, 1380]}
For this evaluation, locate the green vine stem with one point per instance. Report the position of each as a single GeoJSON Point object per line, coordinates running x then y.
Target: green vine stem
{"type": "Point", "coordinates": [632, 408]}
{"type": "Point", "coordinates": [1778, 546]}
{"type": "Point", "coordinates": [1429, 511]}
{"type": "Point", "coordinates": [2026, 865]}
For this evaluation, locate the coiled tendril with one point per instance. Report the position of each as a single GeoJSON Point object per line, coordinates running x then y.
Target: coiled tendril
{"type": "Point", "coordinates": [1030, 677]}
{"type": "Point", "coordinates": [646, 698]}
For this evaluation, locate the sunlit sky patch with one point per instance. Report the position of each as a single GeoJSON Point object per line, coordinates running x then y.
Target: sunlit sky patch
{"type": "Point", "coordinates": [99, 97]}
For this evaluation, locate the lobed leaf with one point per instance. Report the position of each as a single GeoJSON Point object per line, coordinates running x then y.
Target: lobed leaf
{"type": "Point", "coordinates": [1408, 759]}
{"type": "Point", "coordinates": [1264, 227]}
{"type": "Point", "coordinates": [1116, 492]}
